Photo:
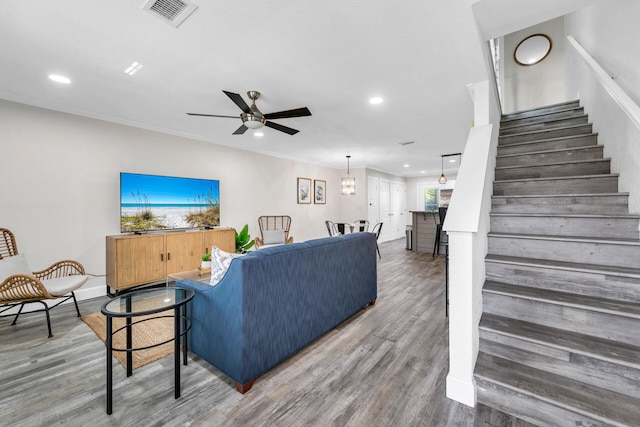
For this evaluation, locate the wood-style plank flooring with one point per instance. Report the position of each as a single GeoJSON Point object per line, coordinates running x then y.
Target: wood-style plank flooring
{"type": "Point", "coordinates": [384, 367]}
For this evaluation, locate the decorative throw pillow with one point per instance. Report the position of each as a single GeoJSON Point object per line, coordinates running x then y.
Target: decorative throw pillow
{"type": "Point", "coordinates": [273, 237]}
{"type": "Point", "coordinates": [14, 265]}
{"type": "Point", "coordinates": [220, 261]}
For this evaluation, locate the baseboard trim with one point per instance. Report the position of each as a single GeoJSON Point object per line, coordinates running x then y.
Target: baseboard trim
{"type": "Point", "coordinates": [462, 391]}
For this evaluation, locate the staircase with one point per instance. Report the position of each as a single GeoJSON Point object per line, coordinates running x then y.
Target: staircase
{"type": "Point", "coordinates": [560, 330]}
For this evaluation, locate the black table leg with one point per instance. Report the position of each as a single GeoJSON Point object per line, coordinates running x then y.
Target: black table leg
{"type": "Point", "coordinates": [176, 344]}
{"type": "Point", "coordinates": [109, 365]}
{"type": "Point", "coordinates": [129, 341]}
{"type": "Point", "coordinates": [184, 338]}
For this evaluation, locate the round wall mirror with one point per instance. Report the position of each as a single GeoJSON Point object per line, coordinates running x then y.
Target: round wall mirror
{"type": "Point", "coordinates": [532, 50]}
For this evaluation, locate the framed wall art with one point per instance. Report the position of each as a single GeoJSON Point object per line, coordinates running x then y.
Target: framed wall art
{"type": "Point", "coordinates": [304, 190]}
{"type": "Point", "coordinates": [319, 191]}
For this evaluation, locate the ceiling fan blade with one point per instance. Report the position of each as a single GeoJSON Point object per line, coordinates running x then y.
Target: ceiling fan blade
{"type": "Point", "coordinates": [238, 101]}
{"type": "Point", "coordinates": [212, 115]}
{"type": "Point", "coordinates": [298, 112]}
{"type": "Point", "coordinates": [281, 128]}
{"type": "Point", "coordinates": [242, 129]}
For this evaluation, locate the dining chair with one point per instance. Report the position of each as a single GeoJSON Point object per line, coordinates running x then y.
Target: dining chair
{"type": "Point", "coordinates": [376, 230]}
{"type": "Point", "coordinates": [361, 225]}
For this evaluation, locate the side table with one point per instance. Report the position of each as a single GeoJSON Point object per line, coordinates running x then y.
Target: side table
{"type": "Point", "coordinates": [142, 303]}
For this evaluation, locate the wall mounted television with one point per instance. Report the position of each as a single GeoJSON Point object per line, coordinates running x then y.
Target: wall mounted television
{"type": "Point", "coordinates": [155, 202]}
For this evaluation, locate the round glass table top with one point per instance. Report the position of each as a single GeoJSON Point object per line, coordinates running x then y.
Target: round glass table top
{"type": "Point", "coordinates": [148, 301]}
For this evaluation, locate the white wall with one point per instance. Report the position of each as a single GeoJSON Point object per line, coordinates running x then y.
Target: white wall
{"type": "Point", "coordinates": [609, 33]}
{"type": "Point", "coordinates": [59, 185]}
{"type": "Point", "coordinates": [539, 84]}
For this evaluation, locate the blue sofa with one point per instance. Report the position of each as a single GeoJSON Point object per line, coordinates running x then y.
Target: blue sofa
{"type": "Point", "coordinates": [273, 302]}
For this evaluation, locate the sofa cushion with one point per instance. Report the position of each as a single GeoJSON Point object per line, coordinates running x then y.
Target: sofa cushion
{"type": "Point", "coordinates": [16, 264]}
{"type": "Point", "coordinates": [220, 261]}
{"type": "Point", "coordinates": [273, 237]}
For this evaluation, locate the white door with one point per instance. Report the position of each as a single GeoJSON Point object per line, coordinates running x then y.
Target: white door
{"type": "Point", "coordinates": [385, 209]}
{"type": "Point", "coordinates": [373, 197]}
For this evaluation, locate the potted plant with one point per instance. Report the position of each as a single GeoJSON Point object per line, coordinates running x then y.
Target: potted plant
{"type": "Point", "coordinates": [206, 261]}
{"type": "Point", "coordinates": [243, 240]}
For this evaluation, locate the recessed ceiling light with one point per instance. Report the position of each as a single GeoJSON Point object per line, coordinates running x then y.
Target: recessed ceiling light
{"type": "Point", "coordinates": [452, 160]}
{"type": "Point", "coordinates": [133, 68]}
{"type": "Point", "coordinates": [258, 134]}
{"type": "Point", "coordinates": [60, 79]}
{"type": "Point", "coordinates": [405, 166]}
{"type": "Point", "coordinates": [375, 100]}
{"type": "Point", "coordinates": [423, 171]}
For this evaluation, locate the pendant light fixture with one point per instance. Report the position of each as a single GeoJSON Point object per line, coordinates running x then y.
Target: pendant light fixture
{"type": "Point", "coordinates": [443, 179]}
{"type": "Point", "coordinates": [348, 182]}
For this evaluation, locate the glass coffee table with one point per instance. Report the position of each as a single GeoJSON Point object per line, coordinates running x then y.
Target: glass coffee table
{"type": "Point", "coordinates": [143, 303]}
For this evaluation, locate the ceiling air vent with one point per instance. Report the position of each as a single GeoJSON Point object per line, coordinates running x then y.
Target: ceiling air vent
{"type": "Point", "coordinates": [173, 12]}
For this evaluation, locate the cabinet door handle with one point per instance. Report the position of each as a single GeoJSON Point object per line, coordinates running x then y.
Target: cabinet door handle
{"type": "Point", "coordinates": [168, 256]}
{"type": "Point", "coordinates": [161, 257]}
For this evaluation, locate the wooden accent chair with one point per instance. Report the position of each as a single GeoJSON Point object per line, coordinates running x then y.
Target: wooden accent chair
{"type": "Point", "coordinates": [20, 286]}
{"type": "Point", "coordinates": [274, 230]}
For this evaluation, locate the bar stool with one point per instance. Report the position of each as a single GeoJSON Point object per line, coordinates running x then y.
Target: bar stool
{"type": "Point", "coordinates": [442, 213]}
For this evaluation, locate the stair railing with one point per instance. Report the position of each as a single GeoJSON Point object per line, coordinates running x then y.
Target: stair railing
{"type": "Point", "coordinates": [615, 91]}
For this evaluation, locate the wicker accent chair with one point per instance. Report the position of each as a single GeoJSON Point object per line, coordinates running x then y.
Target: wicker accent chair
{"type": "Point", "coordinates": [19, 286]}
{"type": "Point", "coordinates": [274, 230]}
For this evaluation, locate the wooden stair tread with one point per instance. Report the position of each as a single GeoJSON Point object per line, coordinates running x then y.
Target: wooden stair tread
{"type": "Point", "coordinates": [609, 240]}
{"type": "Point", "coordinates": [565, 215]}
{"type": "Point", "coordinates": [542, 131]}
{"type": "Point", "coordinates": [557, 138]}
{"type": "Point", "coordinates": [619, 308]}
{"type": "Point", "coordinates": [505, 120]}
{"type": "Point", "coordinates": [604, 405]}
{"type": "Point", "coordinates": [524, 196]}
{"type": "Point", "coordinates": [543, 108]}
{"type": "Point", "coordinates": [566, 266]}
{"type": "Point", "coordinates": [564, 163]}
{"type": "Point", "coordinates": [556, 150]}
{"type": "Point", "coordinates": [551, 120]}
{"type": "Point", "coordinates": [611, 351]}
{"type": "Point", "coordinates": [560, 178]}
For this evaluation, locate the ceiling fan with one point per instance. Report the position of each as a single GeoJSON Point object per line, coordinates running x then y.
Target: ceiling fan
{"type": "Point", "coordinates": [252, 118]}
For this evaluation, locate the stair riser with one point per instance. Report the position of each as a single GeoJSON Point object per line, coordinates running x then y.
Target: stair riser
{"type": "Point", "coordinates": [600, 285]}
{"type": "Point", "coordinates": [541, 110]}
{"type": "Point", "coordinates": [574, 319]}
{"type": "Point", "coordinates": [528, 408]}
{"type": "Point", "coordinates": [579, 367]}
{"type": "Point", "coordinates": [597, 253]}
{"type": "Point", "coordinates": [551, 144]}
{"type": "Point", "coordinates": [626, 228]}
{"type": "Point", "coordinates": [552, 133]}
{"type": "Point", "coordinates": [578, 185]}
{"type": "Point", "coordinates": [548, 157]}
{"type": "Point", "coordinates": [575, 208]}
{"type": "Point", "coordinates": [545, 125]}
{"type": "Point", "coordinates": [614, 204]}
{"type": "Point", "coordinates": [575, 112]}
{"type": "Point", "coordinates": [596, 167]}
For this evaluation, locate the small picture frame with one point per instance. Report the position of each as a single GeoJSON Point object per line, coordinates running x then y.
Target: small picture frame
{"type": "Point", "coordinates": [304, 191]}
{"type": "Point", "coordinates": [319, 191]}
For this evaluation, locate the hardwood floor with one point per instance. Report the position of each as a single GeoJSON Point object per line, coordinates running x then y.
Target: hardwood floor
{"type": "Point", "coordinates": [384, 367]}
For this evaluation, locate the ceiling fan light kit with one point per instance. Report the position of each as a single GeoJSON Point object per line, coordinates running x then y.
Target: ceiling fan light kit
{"type": "Point", "coordinates": [252, 117]}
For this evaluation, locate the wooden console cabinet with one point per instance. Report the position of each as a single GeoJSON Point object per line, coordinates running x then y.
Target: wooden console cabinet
{"type": "Point", "coordinates": [134, 260]}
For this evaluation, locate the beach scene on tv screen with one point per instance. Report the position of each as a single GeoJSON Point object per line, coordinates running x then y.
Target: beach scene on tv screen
{"type": "Point", "coordinates": [152, 202]}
